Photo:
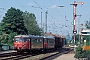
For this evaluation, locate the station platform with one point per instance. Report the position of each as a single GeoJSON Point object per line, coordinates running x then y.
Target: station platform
{"type": "Point", "coordinates": [65, 57]}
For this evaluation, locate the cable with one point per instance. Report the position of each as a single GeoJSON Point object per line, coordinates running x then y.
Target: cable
{"type": "Point", "coordinates": [56, 9]}
{"type": "Point", "coordinates": [20, 4]}
{"type": "Point", "coordinates": [39, 6]}
{"type": "Point", "coordinates": [44, 10]}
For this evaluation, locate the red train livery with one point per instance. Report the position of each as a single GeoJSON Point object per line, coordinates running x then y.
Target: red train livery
{"type": "Point", "coordinates": [31, 43]}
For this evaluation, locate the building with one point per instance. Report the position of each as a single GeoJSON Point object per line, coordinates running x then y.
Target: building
{"type": "Point", "coordinates": [84, 32]}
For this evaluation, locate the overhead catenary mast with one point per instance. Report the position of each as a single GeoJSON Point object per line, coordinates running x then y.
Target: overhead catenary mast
{"type": "Point", "coordinates": [41, 19]}
{"type": "Point", "coordinates": [46, 22]}
{"type": "Point", "coordinates": [74, 17]}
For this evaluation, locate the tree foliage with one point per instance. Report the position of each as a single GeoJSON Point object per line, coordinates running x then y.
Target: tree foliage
{"type": "Point", "coordinates": [31, 23]}
{"type": "Point", "coordinates": [13, 22]}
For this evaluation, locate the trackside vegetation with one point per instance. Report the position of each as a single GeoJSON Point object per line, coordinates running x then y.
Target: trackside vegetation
{"type": "Point", "coordinates": [82, 54]}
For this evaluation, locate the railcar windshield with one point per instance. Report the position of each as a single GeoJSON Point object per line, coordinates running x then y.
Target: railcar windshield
{"type": "Point", "coordinates": [16, 39]}
{"type": "Point", "coordinates": [25, 39]}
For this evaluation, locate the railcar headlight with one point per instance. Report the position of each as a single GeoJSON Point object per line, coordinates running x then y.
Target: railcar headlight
{"type": "Point", "coordinates": [24, 45]}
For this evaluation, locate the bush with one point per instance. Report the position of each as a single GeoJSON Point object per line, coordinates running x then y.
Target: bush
{"type": "Point", "coordinates": [82, 53]}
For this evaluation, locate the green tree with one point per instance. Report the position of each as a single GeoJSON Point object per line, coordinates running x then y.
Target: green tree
{"type": "Point", "coordinates": [4, 38]}
{"type": "Point", "coordinates": [31, 23]}
{"type": "Point", "coordinates": [13, 22]}
{"type": "Point", "coordinates": [10, 38]}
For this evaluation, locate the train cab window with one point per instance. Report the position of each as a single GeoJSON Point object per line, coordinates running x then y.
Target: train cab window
{"type": "Point", "coordinates": [20, 39]}
{"type": "Point", "coordinates": [25, 39]}
{"type": "Point", "coordinates": [16, 39]}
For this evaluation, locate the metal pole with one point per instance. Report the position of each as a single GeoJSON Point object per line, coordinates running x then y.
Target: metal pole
{"type": "Point", "coordinates": [74, 23]}
{"type": "Point", "coordinates": [46, 22]}
{"type": "Point", "coordinates": [41, 19]}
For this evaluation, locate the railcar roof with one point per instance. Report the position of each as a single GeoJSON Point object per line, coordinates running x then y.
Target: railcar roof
{"type": "Point", "coordinates": [47, 37]}
{"type": "Point", "coordinates": [32, 36]}
{"type": "Point", "coordinates": [29, 36]}
{"type": "Point", "coordinates": [22, 36]}
{"type": "Point", "coordinates": [36, 36]}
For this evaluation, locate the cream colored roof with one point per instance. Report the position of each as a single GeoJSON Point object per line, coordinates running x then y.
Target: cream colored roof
{"type": "Point", "coordinates": [22, 36]}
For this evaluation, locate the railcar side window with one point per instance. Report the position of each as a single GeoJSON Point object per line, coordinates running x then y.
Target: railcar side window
{"type": "Point", "coordinates": [50, 41]}
{"type": "Point", "coordinates": [16, 39]}
{"type": "Point", "coordinates": [39, 40]}
{"type": "Point", "coordinates": [25, 39]}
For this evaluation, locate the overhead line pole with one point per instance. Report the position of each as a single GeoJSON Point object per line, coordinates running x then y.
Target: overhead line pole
{"type": "Point", "coordinates": [41, 19]}
{"type": "Point", "coordinates": [46, 22]}
{"type": "Point", "coordinates": [74, 18]}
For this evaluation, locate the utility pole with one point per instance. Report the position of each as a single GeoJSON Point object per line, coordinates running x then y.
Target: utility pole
{"type": "Point", "coordinates": [74, 18]}
{"type": "Point", "coordinates": [46, 22]}
{"type": "Point", "coordinates": [41, 19]}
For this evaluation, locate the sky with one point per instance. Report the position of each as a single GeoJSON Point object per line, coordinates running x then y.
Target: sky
{"type": "Point", "coordinates": [59, 19]}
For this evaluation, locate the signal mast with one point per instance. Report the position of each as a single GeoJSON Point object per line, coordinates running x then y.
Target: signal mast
{"type": "Point", "coordinates": [74, 17]}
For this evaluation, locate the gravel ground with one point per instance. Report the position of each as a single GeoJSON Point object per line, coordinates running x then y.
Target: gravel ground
{"type": "Point", "coordinates": [37, 57]}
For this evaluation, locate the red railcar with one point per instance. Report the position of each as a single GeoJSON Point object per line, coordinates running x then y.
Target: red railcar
{"type": "Point", "coordinates": [30, 43]}
{"type": "Point", "coordinates": [21, 42]}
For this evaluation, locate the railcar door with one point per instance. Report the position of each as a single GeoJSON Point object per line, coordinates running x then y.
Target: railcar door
{"type": "Point", "coordinates": [50, 43]}
{"type": "Point", "coordinates": [45, 44]}
{"type": "Point", "coordinates": [29, 43]}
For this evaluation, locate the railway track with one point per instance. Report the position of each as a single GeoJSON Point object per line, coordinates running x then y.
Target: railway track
{"type": "Point", "coordinates": [34, 56]}
{"type": "Point", "coordinates": [15, 56]}
{"type": "Point", "coordinates": [49, 56]}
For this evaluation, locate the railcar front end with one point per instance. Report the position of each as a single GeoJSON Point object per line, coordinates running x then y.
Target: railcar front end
{"type": "Point", "coordinates": [21, 43]}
